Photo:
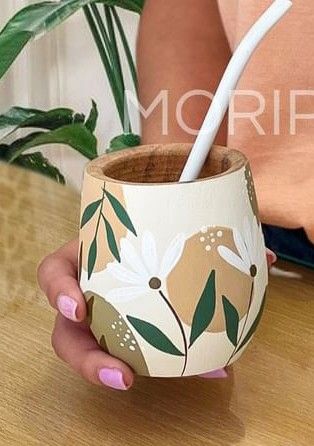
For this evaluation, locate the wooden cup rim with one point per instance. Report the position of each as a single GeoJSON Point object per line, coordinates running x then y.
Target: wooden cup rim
{"type": "Point", "coordinates": [149, 159]}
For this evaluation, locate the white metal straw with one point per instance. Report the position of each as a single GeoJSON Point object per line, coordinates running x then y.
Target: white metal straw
{"type": "Point", "coordinates": [220, 103]}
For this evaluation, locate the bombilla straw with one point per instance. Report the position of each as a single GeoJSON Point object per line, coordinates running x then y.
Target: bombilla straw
{"type": "Point", "coordinates": [230, 79]}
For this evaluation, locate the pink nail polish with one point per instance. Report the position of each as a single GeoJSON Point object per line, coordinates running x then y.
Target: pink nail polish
{"type": "Point", "coordinates": [112, 378]}
{"type": "Point", "coordinates": [67, 307]}
{"type": "Point", "coordinates": [216, 374]}
{"type": "Point", "coordinates": [271, 256]}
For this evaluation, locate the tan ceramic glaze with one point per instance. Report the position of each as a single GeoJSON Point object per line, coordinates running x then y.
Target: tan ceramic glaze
{"type": "Point", "coordinates": [174, 274]}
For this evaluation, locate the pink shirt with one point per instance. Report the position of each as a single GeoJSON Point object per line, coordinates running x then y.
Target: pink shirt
{"type": "Point", "coordinates": [283, 164]}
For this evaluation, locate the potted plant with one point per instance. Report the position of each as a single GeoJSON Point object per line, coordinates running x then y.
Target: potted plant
{"type": "Point", "coordinates": [63, 125]}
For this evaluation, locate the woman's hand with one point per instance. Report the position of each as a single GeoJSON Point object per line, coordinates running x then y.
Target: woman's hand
{"type": "Point", "coordinates": [72, 339]}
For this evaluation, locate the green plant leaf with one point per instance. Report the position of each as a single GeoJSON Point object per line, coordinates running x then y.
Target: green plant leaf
{"type": "Point", "coordinates": [232, 320]}
{"type": "Point", "coordinates": [126, 48]}
{"type": "Point", "coordinates": [89, 212]}
{"type": "Point", "coordinates": [112, 48]}
{"type": "Point", "coordinates": [124, 141]}
{"type": "Point", "coordinates": [3, 151]}
{"type": "Point", "coordinates": [111, 240]}
{"type": "Point", "coordinates": [53, 119]}
{"type": "Point", "coordinates": [100, 37]}
{"type": "Point", "coordinates": [19, 117]}
{"type": "Point", "coordinates": [76, 136]}
{"type": "Point", "coordinates": [11, 44]}
{"type": "Point", "coordinates": [120, 212]}
{"type": "Point", "coordinates": [205, 309]}
{"type": "Point", "coordinates": [39, 18]}
{"type": "Point", "coordinates": [154, 336]}
{"type": "Point", "coordinates": [92, 118]}
{"type": "Point", "coordinates": [13, 118]}
{"type": "Point", "coordinates": [9, 149]}
{"type": "Point", "coordinates": [132, 5]}
{"type": "Point", "coordinates": [253, 328]}
{"type": "Point", "coordinates": [38, 163]}
{"type": "Point", "coordinates": [92, 256]}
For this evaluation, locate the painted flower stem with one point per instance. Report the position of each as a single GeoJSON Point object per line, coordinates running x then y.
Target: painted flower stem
{"type": "Point", "coordinates": [244, 325]}
{"type": "Point", "coordinates": [173, 311]}
{"type": "Point", "coordinates": [100, 211]}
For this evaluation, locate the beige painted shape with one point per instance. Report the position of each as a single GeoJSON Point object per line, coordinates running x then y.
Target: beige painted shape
{"type": "Point", "coordinates": [92, 191]}
{"type": "Point", "coordinates": [186, 283]}
{"type": "Point", "coordinates": [113, 333]}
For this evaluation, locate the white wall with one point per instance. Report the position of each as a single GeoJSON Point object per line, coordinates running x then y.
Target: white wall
{"type": "Point", "coordinates": [63, 69]}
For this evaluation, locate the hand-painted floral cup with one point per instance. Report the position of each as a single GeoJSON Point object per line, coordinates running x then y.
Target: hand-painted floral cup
{"type": "Point", "coordinates": [174, 274]}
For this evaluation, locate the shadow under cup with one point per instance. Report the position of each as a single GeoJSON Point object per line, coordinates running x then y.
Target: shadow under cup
{"type": "Point", "coordinates": [174, 274]}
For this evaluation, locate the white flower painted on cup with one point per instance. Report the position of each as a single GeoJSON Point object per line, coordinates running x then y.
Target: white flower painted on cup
{"type": "Point", "coordinates": [249, 260]}
{"type": "Point", "coordinates": [144, 272]}
{"type": "Point", "coordinates": [250, 247]}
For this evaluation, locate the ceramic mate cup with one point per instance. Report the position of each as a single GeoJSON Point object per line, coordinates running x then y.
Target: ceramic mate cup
{"type": "Point", "coordinates": [174, 274]}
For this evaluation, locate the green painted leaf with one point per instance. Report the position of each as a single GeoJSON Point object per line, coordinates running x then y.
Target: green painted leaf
{"type": "Point", "coordinates": [232, 320]}
{"type": "Point", "coordinates": [124, 141]}
{"type": "Point", "coordinates": [205, 309]}
{"type": "Point", "coordinates": [38, 163]}
{"type": "Point", "coordinates": [111, 240]}
{"type": "Point", "coordinates": [76, 136]}
{"type": "Point", "coordinates": [92, 118]}
{"type": "Point", "coordinates": [89, 212]}
{"type": "Point", "coordinates": [120, 212]}
{"type": "Point", "coordinates": [40, 18]}
{"type": "Point", "coordinates": [253, 328]}
{"type": "Point", "coordinates": [92, 255]}
{"type": "Point", "coordinates": [154, 336]}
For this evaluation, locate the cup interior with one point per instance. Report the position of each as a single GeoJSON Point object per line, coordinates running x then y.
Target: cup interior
{"type": "Point", "coordinates": [161, 164]}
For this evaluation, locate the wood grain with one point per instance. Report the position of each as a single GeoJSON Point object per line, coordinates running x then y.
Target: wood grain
{"type": "Point", "coordinates": [267, 401]}
{"type": "Point", "coordinates": [138, 164]}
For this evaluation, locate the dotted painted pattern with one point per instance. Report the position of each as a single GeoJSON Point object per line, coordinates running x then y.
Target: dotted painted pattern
{"type": "Point", "coordinates": [211, 239]}
{"type": "Point", "coordinates": [125, 335]}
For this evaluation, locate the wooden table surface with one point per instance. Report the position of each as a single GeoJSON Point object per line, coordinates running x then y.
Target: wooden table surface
{"type": "Point", "coordinates": [267, 401]}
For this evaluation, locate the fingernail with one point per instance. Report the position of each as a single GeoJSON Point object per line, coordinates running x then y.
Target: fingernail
{"type": "Point", "coordinates": [272, 256]}
{"type": "Point", "coordinates": [216, 374]}
{"type": "Point", "coordinates": [113, 378]}
{"type": "Point", "coordinates": [67, 307]}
